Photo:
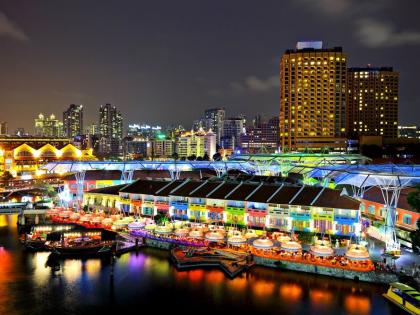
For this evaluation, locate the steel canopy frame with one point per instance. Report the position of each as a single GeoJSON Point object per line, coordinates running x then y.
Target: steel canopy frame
{"type": "Point", "coordinates": [389, 178]}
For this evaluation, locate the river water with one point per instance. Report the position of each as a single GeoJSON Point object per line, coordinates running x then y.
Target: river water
{"type": "Point", "coordinates": [146, 283]}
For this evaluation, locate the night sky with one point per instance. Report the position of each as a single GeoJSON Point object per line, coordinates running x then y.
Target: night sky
{"type": "Point", "coordinates": [166, 61]}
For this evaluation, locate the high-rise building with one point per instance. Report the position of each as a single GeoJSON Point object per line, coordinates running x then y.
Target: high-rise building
{"type": "Point", "coordinates": [3, 128]}
{"type": "Point", "coordinates": [231, 131]}
{"type": "Point", "coordinates": [313, 97]}
{"type": "Point", "coordinates": [110, 130]}
{"type": "Point", "coordinates": [262, 137]}
{"type": "Point", "coordinates": [92, 129]}
{"type": "Point", "coordinates": [372, 102]}
{"type": "Point", "coordinates": [73, 121]}
{"type": "Point", "coordinates": [48, 126]}
{"type": "Point", "coordinates": [196, 144]}
{"type": "Point", "coordinates": [213, 119]}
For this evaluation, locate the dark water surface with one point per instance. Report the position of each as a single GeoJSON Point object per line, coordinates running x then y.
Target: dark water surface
{"type": "Point", "coordinates": [147, 283]}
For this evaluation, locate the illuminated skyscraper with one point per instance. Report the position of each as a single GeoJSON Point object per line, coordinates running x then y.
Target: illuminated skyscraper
{"type": "Point", "coordinates": [372, 104]}
{"type": "Point", "coordinates": [313, 97]}
{"type": "Point", "coordinates": [110, 130]}
{"type": "Point", "coordinates": [213, 119]}
{"type": "Point", "coordinates": [48, 126]}
{"type": "Point", "coordinates": [73, 121]}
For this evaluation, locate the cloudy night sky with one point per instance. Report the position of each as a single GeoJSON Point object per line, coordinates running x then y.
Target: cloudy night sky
{"type": "Point", "coordinates": [166, 61]}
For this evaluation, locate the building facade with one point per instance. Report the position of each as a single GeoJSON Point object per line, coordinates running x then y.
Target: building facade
{"type": "Point", "coordinates": [23, 156]}
{"type": "Point", "coordinates": [3, 128]}
{"type": "Point", "coordinates": [263, 136]}
{"type": "Point", "coordinates": [372, 102]}
{"type": "Point", "coordinates": [409, 132]}
{"type": "Point", "coordinates": [48, 126]}
{"type": "Point", "coordinates": [196, 144]}
{"type": "Point", "coordinates": [231, 132]}
{"type": "Point", "coordinates": [213, 119]}
{"type": "Point", "coordinates": [73, 121]}
{"type": "Point", "coordinates": [312, 97]}
{"type": "Point", "coordinates": [252, 204]}
{"type": "Point", "coordinates": [110, 130]}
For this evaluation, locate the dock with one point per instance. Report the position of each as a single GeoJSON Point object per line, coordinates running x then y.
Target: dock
{"type": "Point", "coordinates": [231, 264]}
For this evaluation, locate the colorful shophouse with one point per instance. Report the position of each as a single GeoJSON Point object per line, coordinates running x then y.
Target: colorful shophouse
{"type": "Point", "coordinates": [255, 204]}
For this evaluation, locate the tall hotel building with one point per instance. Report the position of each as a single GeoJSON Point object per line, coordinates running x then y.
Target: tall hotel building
{"type": "Point", "coordinates": [313, 98]}
{"type": "Point", "coordinates": [110, 130]}
{"type": "Point", "coordinates": [372, 105]}
{"type": "Point", "coordinates": [73, 121]}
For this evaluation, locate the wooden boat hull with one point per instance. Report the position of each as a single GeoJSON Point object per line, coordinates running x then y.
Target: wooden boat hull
{"type": "Point", "coordinates": [82, 251]}
{"type": "Point", "coordinates": [34, 245]}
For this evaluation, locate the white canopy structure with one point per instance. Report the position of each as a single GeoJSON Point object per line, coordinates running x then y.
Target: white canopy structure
{"type": "Point", "coordinates": [389, 178]}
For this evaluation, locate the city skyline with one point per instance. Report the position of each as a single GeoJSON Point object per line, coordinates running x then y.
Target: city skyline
{"type": "Point", "coordinates": [174, 68]}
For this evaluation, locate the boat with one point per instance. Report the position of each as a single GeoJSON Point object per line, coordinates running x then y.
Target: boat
{"type": "Point", "coordinates": [404, 297]}
{"type": "Point", "coordinates": [35, 240]}
{"type": "Point", "coordinates": [90, 242]}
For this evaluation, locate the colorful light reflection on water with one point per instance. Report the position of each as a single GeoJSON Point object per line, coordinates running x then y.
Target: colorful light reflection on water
{"type": "Point", "coordinates": [33, 283]}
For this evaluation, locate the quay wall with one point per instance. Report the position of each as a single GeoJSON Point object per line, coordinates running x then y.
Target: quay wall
{"type": "Point", "coordinates": [371, 276]}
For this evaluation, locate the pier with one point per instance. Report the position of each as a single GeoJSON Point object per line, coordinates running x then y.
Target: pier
{"type": "Point", "coordinates": [232, 264]}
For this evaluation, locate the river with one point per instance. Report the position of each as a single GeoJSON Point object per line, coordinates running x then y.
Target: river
{"type": "Point", "coordinates": [146, 282]}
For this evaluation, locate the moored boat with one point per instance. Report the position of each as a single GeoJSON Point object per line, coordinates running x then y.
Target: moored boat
{"type": "Point", "coordinates": [404, 297]}
{"type": "Point", "coordinates": [35, 240]}
{"type": "Point", "coordinates": [89, 242]}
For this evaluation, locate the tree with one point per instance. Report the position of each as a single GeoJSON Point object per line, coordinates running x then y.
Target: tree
{"type": "Point", "coordinates": [206, 157]}
{"type": "Point", "coordinates": [217, 157]}
{"type": "Point", "coordinates": [200, 158]}
{"type": "Point", "coordinates": [175, 156]}
{"type": "Point", "coordinates": [371, 150]}
{"type": "Point", "coordinates": [6, 177]}
{"type": "Point", "coordinates": [413, 199]}
{"type": "Point", "coordinates": [48, 189]}
{"type": "Point", "coordinates": [192, 157]}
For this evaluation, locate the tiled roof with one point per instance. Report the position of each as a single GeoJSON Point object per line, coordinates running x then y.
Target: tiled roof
{"type": "Point", "coordinates": [204, 190]}
{"type": "Point", "coordinates": [96, 175]}
{"type": "Point", "coordinates": [223, 190]}
{"type": "Point", "coordinates": [110, 190]}
{"type": "Point", "coordinates": [285, 194]}
{"type": "Point", "coordinates": [374, 194]}
{"type": "Point", "coordinates": [147, 187]}
{"type": "Point", "coordinates": [331, 198]}
{"type": "Point", "coordinates": [263, 193]}
{"type": "Point", "coordinates": [306, 195]}
{"type": "Point", "coordinates": [185, 188]}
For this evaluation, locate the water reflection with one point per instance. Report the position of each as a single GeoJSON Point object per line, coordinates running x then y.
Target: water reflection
{"type": "Point", "coordinates": [141, 279]}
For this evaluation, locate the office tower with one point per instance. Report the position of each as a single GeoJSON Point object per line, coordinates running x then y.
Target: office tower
{"type": "Point", "coordinates": [213, 119]}
{"type": "Point", "coordinates": [110, 130]}
{"type": "Point", "coordinates": [231, 131]}
{"type": "Point", "coordinates": [73, 121]}
{"type": "Point", "coordinates": [48, 126]}
{"type": "Point", "coordinates": [372, 102]}
{"type": "Point", "coordinates": [92, 129]}
{"type": "Point", "coordinates": [3, 128]}
{"type": "Point", "coordinates": [313, 97]}
{"type": "Point", "coordinates": [262, 137]}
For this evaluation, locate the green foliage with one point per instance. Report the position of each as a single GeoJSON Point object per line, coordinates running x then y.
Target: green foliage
{"type": "Point", "coordinates": [161, 219]}
{"type": "Point", "coordinates": [413, 199]}
{"type": "Point", "coordinates": [47, 188]}
{"type": "Point", "coordinates": [415, 237]}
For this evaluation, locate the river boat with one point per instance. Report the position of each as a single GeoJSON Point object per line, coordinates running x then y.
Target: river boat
{"type": "Point", "coordinates": [404, 297]}
{"type": "Point", "coordinates": [90, 242]}
{"type": "Point", "coordinates": [35, 240]}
